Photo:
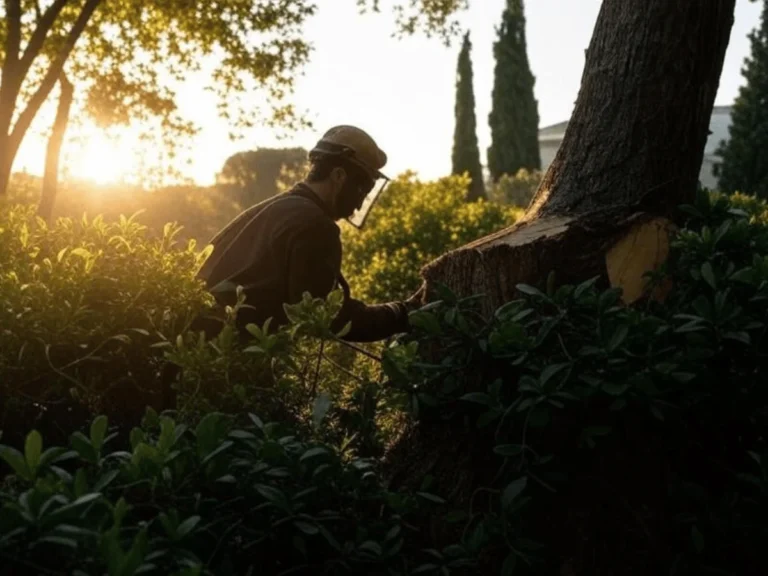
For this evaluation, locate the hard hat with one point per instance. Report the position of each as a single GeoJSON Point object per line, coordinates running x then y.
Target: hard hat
{"type": "Point", "coordinates": [353, 144]}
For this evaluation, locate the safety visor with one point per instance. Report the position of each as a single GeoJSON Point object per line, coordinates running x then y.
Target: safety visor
{"type": "Point", "coordinates": [361, 214]}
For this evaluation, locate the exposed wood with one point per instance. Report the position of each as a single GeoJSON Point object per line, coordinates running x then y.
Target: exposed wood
{"type": "Point", "coordinates": [644, 248]}
{"type": "Point", "coordinates": [631, 153]}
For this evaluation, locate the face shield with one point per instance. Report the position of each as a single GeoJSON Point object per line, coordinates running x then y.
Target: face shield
{"type": "Point", "coordinates": [359, 216]}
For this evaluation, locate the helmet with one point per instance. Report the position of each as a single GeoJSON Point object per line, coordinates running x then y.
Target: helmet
{"type": "Point", "coordinates": [355, 146]}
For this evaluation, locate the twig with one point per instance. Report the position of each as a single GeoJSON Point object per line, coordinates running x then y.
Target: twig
{"type": "Point", "coordinates": [356, 348]}
{"type": "Point", "coordinates": [344, 370]}
{"type": "Point", "coordinates": [320, 355]}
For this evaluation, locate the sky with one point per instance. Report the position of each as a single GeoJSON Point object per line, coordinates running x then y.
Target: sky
{"type": "Point", "coordinates": [399, 90]}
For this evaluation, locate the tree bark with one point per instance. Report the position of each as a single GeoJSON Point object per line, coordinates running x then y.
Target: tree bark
{"type": "Point", "coordinates": [11, 138]}
{"type": "Point", "coordinates": [53, 151]}
{"type": "Point", "coordinates": [631, 153]}
{"type": "Point", "coordinates": [606, 207]}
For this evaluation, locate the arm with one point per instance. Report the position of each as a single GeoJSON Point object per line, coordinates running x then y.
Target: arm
{"type": "Point", "coordinates": [370, 323]}
{"type": "Point", "coordinates": [315, 266]}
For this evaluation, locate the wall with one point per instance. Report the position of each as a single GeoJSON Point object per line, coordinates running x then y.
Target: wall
{"type": "Point", "coordinates": [550, 138]}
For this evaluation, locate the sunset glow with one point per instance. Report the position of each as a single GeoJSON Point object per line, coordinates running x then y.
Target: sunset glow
{"type": "Point", "coordinates": [100, 159]}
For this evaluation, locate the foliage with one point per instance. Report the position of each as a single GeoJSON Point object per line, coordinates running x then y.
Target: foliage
{"type": "Point", "coordinates": [744, 166]}
{"type": "Point", "coordinates": [256, 175]}
{"type": "Point", "coordinates": [219, 498]}
{"type": "Point", "coordinates": [300, 373]}
{"type": "Point", "coordinates": [199, 211]}
{"type": "Point", "coordinates": [568, 388]}
{"type": "Point", "coordinates": [466, 153]}
{"type": "Point", "coordinates": [127, 56]}
{"type": "Point", "coordinates": [516, 189]}
{"type": "Point", "coordinates": [413, 223]}
{"type": "Point", "coordinates": [84, 302]}
{"type": "Point", "coordinates": [514, 118]}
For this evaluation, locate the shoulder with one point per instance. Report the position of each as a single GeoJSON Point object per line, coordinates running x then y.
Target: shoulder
{"type": "Point", "coordinates": [298, 218]}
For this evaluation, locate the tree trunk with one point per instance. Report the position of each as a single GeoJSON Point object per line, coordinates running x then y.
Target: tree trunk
{"type": "Point", "coordinates": [631, 154]}
{"type": "Point", "coordinates": [53, 152]}
{"type": "Point", "coordinates": [15, 70]}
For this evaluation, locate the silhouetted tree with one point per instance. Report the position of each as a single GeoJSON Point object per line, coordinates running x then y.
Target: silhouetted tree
{"type": "Point", "coordinates": [514, 118]}
{"type": "Point", "coordinates": [466, 152]}
{"type": "Point", "coordinates": [255, 173]}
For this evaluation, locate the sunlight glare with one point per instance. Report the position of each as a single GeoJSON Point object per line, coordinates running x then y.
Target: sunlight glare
{"type": "Point", "coordinates": [98, 158]}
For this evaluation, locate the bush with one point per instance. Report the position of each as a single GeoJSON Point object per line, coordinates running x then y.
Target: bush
{"type": "Point", "coordinates": [84, 302]}
{"type": "Point", "coordinates": [517, 190]}
{"type": "Point", "coordinates": [199, 211]}
{"type": "Point", "coordinates": [567, 432]}
{"type": "Point", "coordinates": [413, 223]}
{"type": "Point", "coordinates": [219, 498]}
{"type": "Point", "coordinates": [609, 428]}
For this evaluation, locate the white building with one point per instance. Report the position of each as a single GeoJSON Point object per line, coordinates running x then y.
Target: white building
{"type": "Point", "coordinates": [550, 138]}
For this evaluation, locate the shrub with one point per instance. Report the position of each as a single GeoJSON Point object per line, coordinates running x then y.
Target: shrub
{"type": "Point", "coordinates": [199, 211]}
{"type": "Point", "coordinates": [413, 223]}
{"type": "Point", "coordinates": [517, 190]}
{"type": "Point", "coordinates": [218, 498]}
{"type": "Point", "coordinates": [604, 427]}
{"type": "Point", "coordinates": [84, 301]}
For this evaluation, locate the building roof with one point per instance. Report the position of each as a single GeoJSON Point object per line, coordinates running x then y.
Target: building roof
{"type": "Point", "coordinates": [556, 131]}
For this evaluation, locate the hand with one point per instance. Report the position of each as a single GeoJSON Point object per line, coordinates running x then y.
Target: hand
{"type": "Point", "coordinates": [416, 300]}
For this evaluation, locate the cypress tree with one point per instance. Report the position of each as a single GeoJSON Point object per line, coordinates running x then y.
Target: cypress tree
{"type": "Point", "coordinates": [744, 165]}
{"type": "Point", "coordinates": [466, 151]}
{"type": "Point", "coordinates": [514, 118]}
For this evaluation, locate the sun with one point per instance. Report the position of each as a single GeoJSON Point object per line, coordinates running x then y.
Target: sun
{"type": "Point", "coordinates": [99, 158]}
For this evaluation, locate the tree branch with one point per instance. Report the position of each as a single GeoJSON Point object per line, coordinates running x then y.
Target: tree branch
{"type": "Point", "coordinates": [52, 74]}
{"type": "Point", "coordinates": [13, 40]}
{"type": "Point", "coordinates": [44, 25]}
{"type": "Point", "coordinates": [10, 81]}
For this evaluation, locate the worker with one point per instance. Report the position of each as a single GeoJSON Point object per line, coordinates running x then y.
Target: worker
{"type": "Point", "coordinates": [290, 243]}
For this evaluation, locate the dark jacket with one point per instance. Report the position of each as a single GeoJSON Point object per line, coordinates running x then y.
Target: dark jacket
{"type": "Point", "coordinates": [281, 248]}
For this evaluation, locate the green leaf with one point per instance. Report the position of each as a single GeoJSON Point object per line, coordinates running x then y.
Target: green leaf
{"type": "Point", "coordinates": [271, 494]}
{"type": "Point", "coordinates": [313, 452]}
{"type": "Point", "coordinates": [306, 527]}
{"type": "Point", "coordinates": [618, 337]}
{"type": "Point", "coordinates": [510, 563]}
{"type": "Point", "coordinates": [59, 541]}
{"type": "Point", "coordinates": [708, 274]}
{"type": "Point", "coordinates": [15, 460]}
{"type": "Point", "coordinates": [187, 526]}
{"type": "Point", "coordinates": [98, 432]}
{"type": "Point", "coordinates": [615, 389]}
{"type": "Point", "coordinates": [33, 449]}
{"type": "Point", "coordinates": [370, 546]}
{"type": "Point", "coordinates": [477, 398]}
{"type": "Point", "coordinates": [698, 539]}
{"type": "Point", "coordinates": [551, 370]}
{"type": "Point", "coordinates": [320, 408]}
{"type": "Point", "coordinates": [105, 480]}
{"type": "Point", "coordinates": [529, 290]}
{"type": "Point", "coordinates": [83, 447]}
{"type": "Point", "coordinates": [431, 497]}
{"type": "Point", "coordinates": [508, 450]}
{"type": "Point", "coordinates": [512, 491]}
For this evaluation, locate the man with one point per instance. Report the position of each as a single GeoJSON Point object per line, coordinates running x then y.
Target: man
{"type": "Point", "coordinates": [290, 243]}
